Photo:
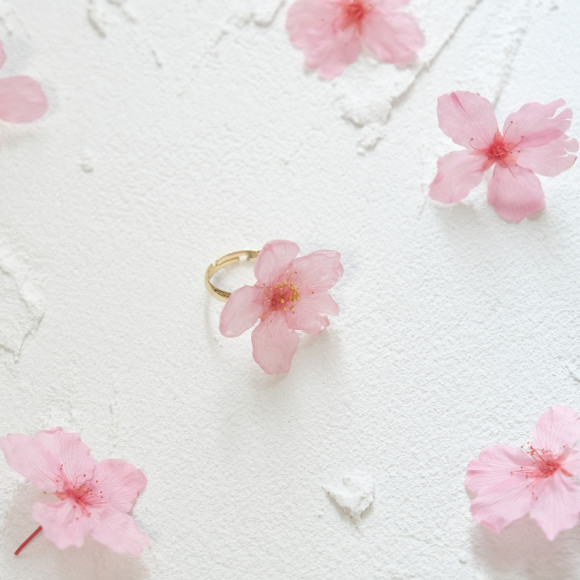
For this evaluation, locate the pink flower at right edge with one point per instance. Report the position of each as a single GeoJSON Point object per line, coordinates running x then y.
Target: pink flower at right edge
{"type": "Point", "coordinates": [290, 294]}
{"type": "Point", "coordinates": [22, 99]}
{"type": "Point", "coordinates": [94, 498]}
{"type": "Point", "coordinates": [332, 33]}
{"type": "Point", "coordinates": [533, 141]}
{"type": "Point", "coordinates": [542, 481]}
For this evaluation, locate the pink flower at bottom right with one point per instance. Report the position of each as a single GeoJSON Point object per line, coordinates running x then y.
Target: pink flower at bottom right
{"type": "Point", "coordinates": [542, 480]}
{"type": "Point", "coordinates": [534, 141]}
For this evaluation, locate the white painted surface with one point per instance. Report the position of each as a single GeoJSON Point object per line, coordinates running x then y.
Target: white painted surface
{"type": "Point", "coordinates": [177, 134]}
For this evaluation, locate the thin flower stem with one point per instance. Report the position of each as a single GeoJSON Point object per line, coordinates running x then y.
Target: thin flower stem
{"type": "Point", "coordinates": [28, 540]}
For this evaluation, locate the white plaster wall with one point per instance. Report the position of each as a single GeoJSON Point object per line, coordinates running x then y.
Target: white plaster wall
{"type": "Point", "coordinates": [182, 130]}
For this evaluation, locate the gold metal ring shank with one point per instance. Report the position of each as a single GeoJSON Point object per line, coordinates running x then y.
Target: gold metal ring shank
{"type": "Point", "coordinates": [232, 258]}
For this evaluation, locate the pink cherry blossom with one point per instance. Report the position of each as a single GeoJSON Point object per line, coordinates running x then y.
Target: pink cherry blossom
{"type": "Point", "coordinates": [332, 33]}
{"type": "Point", "coordinates": [533, 141]}
{"type": "Point", "coordinates": [93, 498]}
{"type": "Point", "coordinates": [541, 481]}
{"type": "Point", "coordinates": [22, 99]}
{"type": "Point", "coordinates": [291, 294]}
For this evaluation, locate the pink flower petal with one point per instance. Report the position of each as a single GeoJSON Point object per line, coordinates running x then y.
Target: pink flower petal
{"type": "Point", "coordinates": [467, 118]}
{"type": "Point", "coordinates": [550, 159]}
{"type": "Point", "coordinates": [40, 458]}
{"type": "Point", "coordinates": [119, 532]}
{"type": "Point", "coordinates": [273, 260]}
{"type": "Point", "coordinates": [2, 55]}
{"type": "Point", "coordinates": [21, 100]}
{"type": "Point", "coordinates": [494, 467]}
{"type": "Point", "coordinates": [556, 504]}
{"type": "Point", "coordinates": [534, 125]}
{"type": "Point", "coordinates": [317, 272]}
{"type": "Point", "coordinates": [515, 192]}
{"type": "Point", "coordinates": [311, 27]}
{"type": "Point", "coordinates": [274, 344]}
{"type": "Point", "coordinates": [119, 482]}
{"type": "Point", "coordinates": [557, 428]}
{"type": "Point", "coordinates": [309, 314]}
{"type": "Point", "coordinates": [242, 310]}
{"type": "Point", "coordinates": [391, 36]}
{"type": "Point", "coordinates": [458, 173]}
{"type": "Point", "coordinates": [63, 523]}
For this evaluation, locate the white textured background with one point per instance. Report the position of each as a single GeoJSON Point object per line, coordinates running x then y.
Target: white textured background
{"type": "Point", "coordinates": [182, 130]}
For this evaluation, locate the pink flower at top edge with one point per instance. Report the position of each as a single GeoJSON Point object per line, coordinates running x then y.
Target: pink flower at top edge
{"type": "Point", "coordinates": [533, 141]}
{"type": "Point", "coordinates": [22, 99]}
{"type": "Point", "coordinates": [542, 481]}
{"type": "Point", "coordinates": [92, 498]}
{"type": "Point", "coordinates": [333, 32]}
{"type": "Point", "coordinates": [291, 294]}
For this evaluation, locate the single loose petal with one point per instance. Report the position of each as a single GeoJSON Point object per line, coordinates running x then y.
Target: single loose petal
{"type": "Point", "coordinates": [558, 428]}
{"type": "Point", "coordinates": [119, 483]}
{"type": "Point", "coordinates": [318, 271]}
{"type": "Point", "coordinates": [391, 36]}
{"type": "Point", "coordinates": [309, 314]}
{"type": "Point", "coordinates": [63, 523]}
{"type": "Point", "coordinates": [274, 344]}
{"type": "Point", "coordinates": [119, 532]}
{"type": "Point", "coordinates": [458, 173]}
{"type": "Point", "coordinates": [273, 260]}
{"type": "Point", "coordinates": [556, 504]}
{"type": "Point", "coordinates": [467, 118]}
{"type": "Point", "coordinates": [534, 124]}
{"type": "Point", "coordinates": [242, 310]}
{"type": "Point", "coordinates": [22, 100]}
{"type": "Point", "coordinates": [515, 193]}
{"type": "Point", "coordinates": [550, 159]}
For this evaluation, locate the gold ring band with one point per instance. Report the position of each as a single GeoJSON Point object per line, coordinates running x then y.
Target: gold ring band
{"type": "Point", "coordinates": [231, 258]}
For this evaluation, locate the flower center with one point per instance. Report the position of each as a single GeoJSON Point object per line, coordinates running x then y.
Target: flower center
{"type": "Point", "coordinates": [284, 296]}
{"type": "Point", "coordinates": [499, 151]}
{"type": "Point", "coordinates": [546, 462]}
{"type": "Point", "coordinates": [353, 13]}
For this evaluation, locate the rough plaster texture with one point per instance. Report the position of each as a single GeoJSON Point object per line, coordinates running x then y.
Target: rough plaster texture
{"type": "Point", "coordinates": [179, 133]}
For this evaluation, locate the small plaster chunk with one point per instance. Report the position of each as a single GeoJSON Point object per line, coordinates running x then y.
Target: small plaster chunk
{"type": "Point", "coordinates": [86, 161]}
{"type": "Point", "coordinates": [354, 495]}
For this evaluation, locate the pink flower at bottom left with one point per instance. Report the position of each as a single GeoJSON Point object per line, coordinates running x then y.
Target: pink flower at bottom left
{"type": "Point", "coordinates": [93, 498]}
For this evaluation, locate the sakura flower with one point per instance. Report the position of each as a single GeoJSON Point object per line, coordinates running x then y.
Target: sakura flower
{"type": "Point", "coordinates": [533, 141]}
{"type": "Point", "coordinates": [93, 498]}
{"type": "Point", "coordinates": [333, 32]}
{"type": "Point", "coordinates": [22, 99]}
{"type": "Point", "coordinates": [541, 481]}
{"type": "Point", "coordinates": [291, 294]}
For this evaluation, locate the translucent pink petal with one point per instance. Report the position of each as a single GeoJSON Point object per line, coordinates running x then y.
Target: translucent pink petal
{"type": "Point", "coordinates": [557, 428]}
{"type": "Point", "coordinates": [534, 124]}
{"type": "Point", "coordinates": [49, 457]}
{"type": "Point", "coordinates": [317, 272]}
{"type": "Point", "coordinates": [119, 532]}
{"type": "Point", "coordinates": [458, 173]}
{"type": "Point", "coordinates": [391, 36]}
{"type": "Point", "coordinates": [63, 523]}
{"type": "Point", "coordinates": [515, 193]}
{"type": "Point", "coordinates": [274, 344]}
{"type": "Point", "coordinates": [494, 467]}
{"type": "Point", "coordinates": [311, 27]}
{"type": "Point", "coordinates": [119, 483]}
{"type": "Point", "coordinates": [2, 55]}
{"type": "Point", "coordinates": [273, 260]}
{"type": "Point", "coordinates": [572, 462]}
{"type": "Point", "coordinates": [499, 506]}
{"type": "Point", "coordinates": [550, 159]}
{"type": "Point", "coordinates": [309, 314]}
{"type": "Point", "coordinates": [556, 504]}
{"type": "Point", "coordinates": [21, 100]}
{"type": "Point", "coordinates": [467, 118]}
{"type": "Point", "coordinates": [242, 310]}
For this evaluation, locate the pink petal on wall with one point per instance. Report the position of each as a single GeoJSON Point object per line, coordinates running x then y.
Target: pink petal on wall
{"type": "Point", "coordinates": [242, 310]}
{"type": "Point", "coordinates": [273, 260]}
{"type": "Point", "coordinates": [22, 100]}
{"type": "Point", "coordinates": [310, 313]}
{"type": "Point", "coordinates": [318, 271]}
{"type": "Point", "coordinates": [515, 193]}
{"type": "Point", "coordinates": [274, 344]}
{"type": "Point", "coordinates": [119, 532]}
{"type": "Point", "coordinates": [458, 173]}
{"type": "Point", "coordinates": [550, 159]}
{"type": "Point", "coordinates": [556, 428]}
{"type": "Point", "coordinates": [467, 118]}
